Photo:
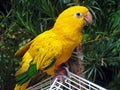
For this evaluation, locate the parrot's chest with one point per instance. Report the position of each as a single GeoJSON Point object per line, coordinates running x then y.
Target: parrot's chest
{"type": "Point", "coordinates": [68, 48]}
{"type": "Point", "coordinates": [69, 43]}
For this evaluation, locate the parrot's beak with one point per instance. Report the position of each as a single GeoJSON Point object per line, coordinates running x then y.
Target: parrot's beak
{"type": "Point", "coordinates": [88, 18]}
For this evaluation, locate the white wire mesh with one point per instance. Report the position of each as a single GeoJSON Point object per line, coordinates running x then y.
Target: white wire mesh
{"type": "Point", "coordinates": [73, 82]}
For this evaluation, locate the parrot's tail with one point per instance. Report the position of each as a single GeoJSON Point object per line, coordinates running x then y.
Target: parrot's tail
{"type": "Point", "coordinates": [21, 87]}
{"type": "Point", "coordinates": [23, 79]}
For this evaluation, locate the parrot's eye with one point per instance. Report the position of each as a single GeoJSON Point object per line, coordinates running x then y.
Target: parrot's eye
{"type": "Point", "coordinates": [78, 14]}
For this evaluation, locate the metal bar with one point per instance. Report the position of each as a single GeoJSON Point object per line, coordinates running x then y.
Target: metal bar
{"type": "Point", "coordinates": [73, 81]}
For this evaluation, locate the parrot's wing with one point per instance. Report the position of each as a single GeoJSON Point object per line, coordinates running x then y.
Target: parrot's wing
{"type": "Point", "coordinates": [47, 51]}
{"type": "Point", "coordinates": [42, 55]}
{"type": "Point", "coordinates": [22, 50]}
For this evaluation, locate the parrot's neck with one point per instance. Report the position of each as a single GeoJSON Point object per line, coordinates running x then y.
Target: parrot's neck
{"type": "Point", "coordinates": [68, 33]}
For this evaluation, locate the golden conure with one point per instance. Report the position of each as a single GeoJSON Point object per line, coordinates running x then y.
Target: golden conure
{"type": "Point", "coordinates": [50, 49]}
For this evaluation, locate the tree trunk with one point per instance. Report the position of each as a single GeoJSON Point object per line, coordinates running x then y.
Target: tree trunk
{"type": "Point", "coordinates": [75, 63]}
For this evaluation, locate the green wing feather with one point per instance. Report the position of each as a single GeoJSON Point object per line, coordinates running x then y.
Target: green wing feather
{"type": "Point", "coordinates": [24, 77]}
{"type": "Point", "coordinates": [51, 64]}
{"type": "Point", "coordinates": [32, 71]}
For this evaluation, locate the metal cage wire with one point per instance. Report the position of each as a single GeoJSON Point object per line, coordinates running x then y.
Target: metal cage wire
{"type": "Point", "coordinates": [73, 82]}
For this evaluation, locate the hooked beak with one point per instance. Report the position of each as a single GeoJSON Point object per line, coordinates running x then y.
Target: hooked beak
{"type": "Point", "coordinates": [88, 18]}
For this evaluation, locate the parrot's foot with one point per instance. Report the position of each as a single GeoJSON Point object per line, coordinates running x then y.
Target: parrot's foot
{"type": "Point", "coordinates": [60, 73]}
{"type": "Point", "coordinates": [60, 78]}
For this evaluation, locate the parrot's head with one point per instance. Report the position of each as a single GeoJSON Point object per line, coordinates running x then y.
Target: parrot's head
{"type": "Point", "coordinates": [74, 17]}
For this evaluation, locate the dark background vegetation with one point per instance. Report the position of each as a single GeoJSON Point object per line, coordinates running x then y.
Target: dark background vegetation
{"type": "Point", "coordinates": [22, 20]}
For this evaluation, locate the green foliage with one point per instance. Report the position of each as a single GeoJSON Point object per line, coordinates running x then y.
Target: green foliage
{"type": "Point", "coordinates": [115, 84]}
{"type": "Point", "coordinates": [102, 43]}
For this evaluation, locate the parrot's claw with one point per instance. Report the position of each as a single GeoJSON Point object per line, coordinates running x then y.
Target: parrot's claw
{"type": "Point", "coordinates": [67, 71]}
{"type": "Point", "coordinates": [60, 78]}
{"type": "Point", "coordinates": [60, 73]}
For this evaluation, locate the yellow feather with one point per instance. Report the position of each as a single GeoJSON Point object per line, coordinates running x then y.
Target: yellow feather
{"type": "Point", "coordinates": [23, 49]}
{"type": "Point", "coordinates": [27, 58]}
{"type": "Point", "coordinates": [21, 87]}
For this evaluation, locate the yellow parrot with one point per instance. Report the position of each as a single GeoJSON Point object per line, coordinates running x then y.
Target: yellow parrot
{"type": "Point", "coordinates": [53, 47]}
